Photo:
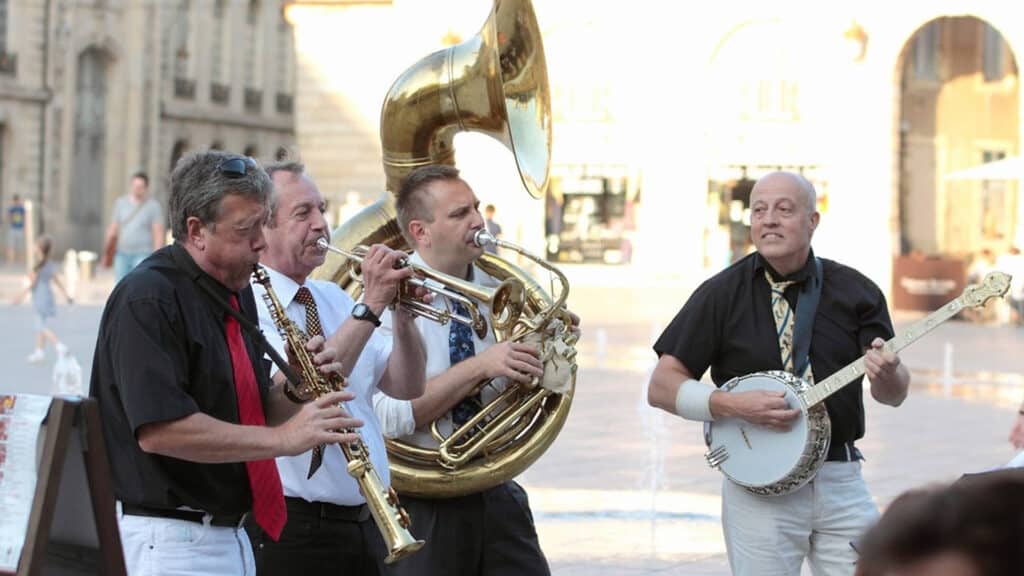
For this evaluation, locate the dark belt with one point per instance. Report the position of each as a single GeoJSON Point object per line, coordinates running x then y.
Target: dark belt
{"type": "Point", "coordinates": [326, 510]}
{"type": "Point", "coordinates": [843, 452]}
{"type": "Point", "coordinates": [232, 521]}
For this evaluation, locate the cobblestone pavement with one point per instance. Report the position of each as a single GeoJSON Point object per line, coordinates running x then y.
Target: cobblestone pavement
{"type": "Point", "coordinates": [624, 489]}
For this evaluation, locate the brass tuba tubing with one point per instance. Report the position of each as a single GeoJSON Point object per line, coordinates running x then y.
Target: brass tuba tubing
{"type": "Point", "coordinates": [506, 301]}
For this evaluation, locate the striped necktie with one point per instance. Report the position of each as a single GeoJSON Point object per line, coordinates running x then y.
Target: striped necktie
{"type": "Point", "coordinates": [313, 328]}
{"type": "Point", "coordinates": [785, 320]}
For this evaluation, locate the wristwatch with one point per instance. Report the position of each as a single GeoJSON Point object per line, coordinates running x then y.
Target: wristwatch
{"type": "Point", "coordinates": [362, 312]}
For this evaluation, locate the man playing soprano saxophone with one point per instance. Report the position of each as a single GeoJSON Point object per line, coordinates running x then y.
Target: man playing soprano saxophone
{"type": "Point", "coordinates": [329, 529]}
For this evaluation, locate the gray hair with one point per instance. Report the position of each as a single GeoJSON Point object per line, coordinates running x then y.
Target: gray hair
{"type": "Point", "coordinates": [812, 194]}
{"type": "Point", "coordinates": [412, 202]}
{"type": "Point", "coordinates": [198, 187]}
{"type": "Point", "coordinates": [294, 168]}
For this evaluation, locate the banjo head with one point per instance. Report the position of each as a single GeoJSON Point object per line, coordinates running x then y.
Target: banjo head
{"type": "Point", "coordinates": [760, 456]}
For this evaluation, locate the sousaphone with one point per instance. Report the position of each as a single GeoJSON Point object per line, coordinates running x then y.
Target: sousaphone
{"type": "Point", "coordinates": [494, 83]}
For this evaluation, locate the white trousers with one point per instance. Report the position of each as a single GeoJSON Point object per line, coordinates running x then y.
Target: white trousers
{"type": "Point", "coordinates": [169, 547]}
{"type": "Point", "coordinates": [771, 535]}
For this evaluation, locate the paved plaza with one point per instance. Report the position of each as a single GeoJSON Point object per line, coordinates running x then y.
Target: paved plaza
{"type": "Point", "coordinates": [624, 489]}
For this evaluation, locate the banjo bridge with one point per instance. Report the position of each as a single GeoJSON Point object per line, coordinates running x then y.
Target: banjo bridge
{"type": "Point", "coordinates": [746, 439]}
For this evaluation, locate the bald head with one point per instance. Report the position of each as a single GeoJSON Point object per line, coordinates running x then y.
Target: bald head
{"type": "Point", "coordinates": [783, 217]}
{"type": "Point", "coordinates": [783, 178]}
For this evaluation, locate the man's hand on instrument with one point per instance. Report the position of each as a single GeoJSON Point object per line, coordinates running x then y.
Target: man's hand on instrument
{"type": "Point", "coordinates": [517, 361]}
{"type": "Point", "coordinates": [574, 322]}
{"type": "Point", "coordinates": [381, 279]}
{"type": "Point", "coordinates": [880, 364]}
{"type": "Point", "coordinates": [760, 407]}
{"type": "Point", "coordinates": [1017, 432]}
{"type": "Point", "coordinates": [325, 357]}
{"type": "Point", "coordinates": [317, 423]}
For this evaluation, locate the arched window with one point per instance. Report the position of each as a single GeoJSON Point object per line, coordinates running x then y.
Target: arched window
{"type": "Point", "coordinates": [177, 152]}
{"type": "Point", "coordinates": [251, 151]}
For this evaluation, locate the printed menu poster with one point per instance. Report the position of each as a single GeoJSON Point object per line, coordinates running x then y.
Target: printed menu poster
{"type": "Point", "coordinates": [20, 419]}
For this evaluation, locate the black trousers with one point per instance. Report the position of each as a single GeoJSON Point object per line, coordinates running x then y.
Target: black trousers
{"type": "Point", "coordinates": [320, 539]}
{"type": "Point", "coordinates": [490, 533]}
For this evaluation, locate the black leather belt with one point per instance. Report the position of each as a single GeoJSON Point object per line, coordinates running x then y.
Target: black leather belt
{"type": "Point", "coordinates": [232, 521]}
{"type": "Point", "coordinates": [843, 452]}
{"type": "Point", "coordinates": [326, 510]}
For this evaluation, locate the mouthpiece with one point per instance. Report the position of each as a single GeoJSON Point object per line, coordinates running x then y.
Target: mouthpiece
{"type": "Point", "coordinates": [484, 238]}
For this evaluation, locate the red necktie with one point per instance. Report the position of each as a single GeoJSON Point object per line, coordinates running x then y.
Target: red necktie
{"type": "Point", "coordinates": [267, 495]}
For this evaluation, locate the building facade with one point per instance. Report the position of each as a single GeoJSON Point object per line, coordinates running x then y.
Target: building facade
{"type": "Point", "coordinates": [92, 91]}
{"type": "Point", "coordinates": [663, 123]}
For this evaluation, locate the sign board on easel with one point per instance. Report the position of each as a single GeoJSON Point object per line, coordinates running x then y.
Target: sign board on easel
{"type": "Point", "coordinates": [71, 525]}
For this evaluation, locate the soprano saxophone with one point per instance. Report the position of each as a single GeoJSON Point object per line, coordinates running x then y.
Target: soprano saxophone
{"type": "Point", "coordinates": [392, 520]}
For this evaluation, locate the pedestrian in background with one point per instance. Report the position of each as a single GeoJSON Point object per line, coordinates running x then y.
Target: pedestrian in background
{"type": "Point", "coordinates": [136, 228]}
{"type": "Point", "coordinates": [493, 228]}
{"type": "Point", "coordinates": [44, 273]}
{"type": "Point", "coordinates": [15, 229]}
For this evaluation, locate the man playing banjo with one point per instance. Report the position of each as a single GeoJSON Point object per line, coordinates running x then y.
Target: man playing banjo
{"type": "Point", "coordinates": [742, 321]}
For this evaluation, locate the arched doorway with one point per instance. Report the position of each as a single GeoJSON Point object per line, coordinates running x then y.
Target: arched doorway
{"type": "Point", "coordinates": [90, 149]}
{"type": "Point", "coordinates": [177, 152]}
{"type": "Point", "coordinates": [959, 107]}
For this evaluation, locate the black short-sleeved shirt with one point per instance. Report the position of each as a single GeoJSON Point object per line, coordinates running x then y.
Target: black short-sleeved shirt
{"type": "Point", "coordinates": [162, 355]}
{"type": "Point", "coordinates": [727, 325]}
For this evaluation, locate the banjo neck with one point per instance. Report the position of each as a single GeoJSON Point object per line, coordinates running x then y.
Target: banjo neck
{"type": "Point", "coordinates": [994, 284]}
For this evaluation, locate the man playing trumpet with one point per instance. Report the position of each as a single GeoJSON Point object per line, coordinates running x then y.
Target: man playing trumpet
{"type": "Point", "coordinates": [329, 527]}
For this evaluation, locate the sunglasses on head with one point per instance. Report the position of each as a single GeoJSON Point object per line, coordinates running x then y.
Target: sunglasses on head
{"type": "Point", "coordinates": [236, 167]}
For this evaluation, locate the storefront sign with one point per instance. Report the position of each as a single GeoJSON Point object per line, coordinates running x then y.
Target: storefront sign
{"type": "Point", "coordinates": [926, 283]}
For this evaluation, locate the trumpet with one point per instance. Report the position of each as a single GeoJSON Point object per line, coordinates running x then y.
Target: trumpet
{"type": "Point", "coordinates": [392, 520]}
{"type": "Point", "coordinates": [506, 301]}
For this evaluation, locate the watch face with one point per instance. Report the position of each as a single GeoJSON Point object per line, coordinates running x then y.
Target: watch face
{"type": "Point", "coordinates": [362, 312]}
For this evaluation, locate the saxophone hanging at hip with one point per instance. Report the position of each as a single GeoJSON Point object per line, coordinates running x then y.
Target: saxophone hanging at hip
{"type": "Point", "coordinates": [391, 518]}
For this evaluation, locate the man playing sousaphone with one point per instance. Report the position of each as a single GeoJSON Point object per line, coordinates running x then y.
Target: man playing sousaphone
{"type": "Point", "coordinates": [492, 531]}
{"type": "Point", "coordinates": [740, 322]}
{"type": "Point", "coordinates": [329, 527]}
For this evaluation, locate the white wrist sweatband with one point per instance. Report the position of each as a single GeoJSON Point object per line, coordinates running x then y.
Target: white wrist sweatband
{"type": "Point", "coordinates": [693, 401]}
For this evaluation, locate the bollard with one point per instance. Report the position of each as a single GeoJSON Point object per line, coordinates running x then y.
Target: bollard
{"type": "Point", "coordinates": [602, 346]}
{"type": "Point", "coordinates": [947, 369]}
{"type": "Point", "coordinates": [71, 272]}
{"type": "Point", "coordinates": [87, 262]}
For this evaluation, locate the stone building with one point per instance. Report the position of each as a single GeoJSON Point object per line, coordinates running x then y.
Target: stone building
{"type": "Point", "coordinates": [662, 122]}
{"type": "Point", "coordinates": [92, 91]}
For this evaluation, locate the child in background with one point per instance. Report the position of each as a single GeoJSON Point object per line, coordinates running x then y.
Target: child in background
{"type": "Point", "coordinates": [43, 302]}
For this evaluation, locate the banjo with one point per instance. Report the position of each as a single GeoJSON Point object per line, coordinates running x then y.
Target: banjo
{"type": "Point", "coordinates": [771, 462]}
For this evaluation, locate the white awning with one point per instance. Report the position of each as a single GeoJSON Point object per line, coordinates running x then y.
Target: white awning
{"type": "Point", "coordinates": [1010, 168]}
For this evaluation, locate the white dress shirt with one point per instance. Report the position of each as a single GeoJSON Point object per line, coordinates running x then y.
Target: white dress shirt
{"type": "Point", "coordinates": [331, 483]}
{"type": "Point", "coordinates": [396, 416]}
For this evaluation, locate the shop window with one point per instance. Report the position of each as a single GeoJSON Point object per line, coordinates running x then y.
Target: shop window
{"type": "Point", "coordinates": [589, 215]}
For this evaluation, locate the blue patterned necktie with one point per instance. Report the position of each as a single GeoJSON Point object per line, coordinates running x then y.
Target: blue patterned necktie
{"type": "Point", "coordinates": [785, 320]}
{"type": "Point", "coordinates": [460, 347]}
